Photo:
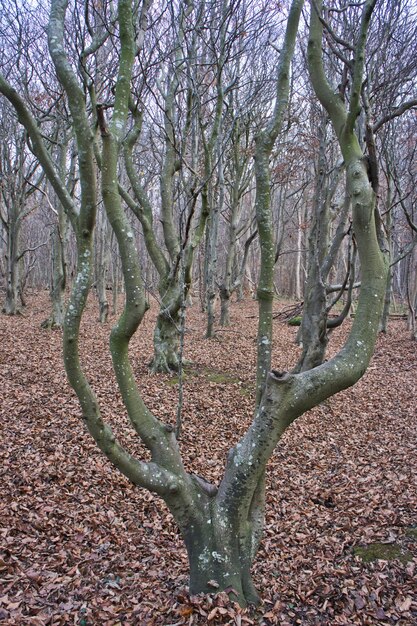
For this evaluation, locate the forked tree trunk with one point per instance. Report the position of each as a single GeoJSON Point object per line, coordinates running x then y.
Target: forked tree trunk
{"type": "Point", "coordinates": [221, 527]}
{"type": "Point", "coordinates": [216, 560]}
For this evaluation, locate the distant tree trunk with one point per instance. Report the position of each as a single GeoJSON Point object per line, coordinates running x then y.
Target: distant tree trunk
{"type": "Point", "coordinates": [213, 196]}
{"type": "Point", "coordinates": [238, 166]}
{"type": "Point", "coordinates": [11, 303]}
{"type": "Point", "coordinates": [102, 267]}
{"type": "Point", "coordinates": [298, 289]}
{"type": "Point", "coordinates": [211, 255]}
{"type": "Point", "coordinates": [59, 273]}
{"type": "Point", "coordinates": [226, 291]}
{"type": "Point", "coordinates": [60, 236]}
{"type": "Point", "coordinates": [211, 292]}
{"type": "Point", "coordinates": [412, 293]}
{"type": "Point", "coordinates": [321, 256]}
{"type": "Point", "coordinates": [313, 332]}
{"type": "Point", "coordinates": [388, 291]}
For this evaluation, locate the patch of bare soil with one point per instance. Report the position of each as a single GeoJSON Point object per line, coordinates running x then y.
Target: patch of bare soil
{"type": "Point", "coordinates": [80, 545]}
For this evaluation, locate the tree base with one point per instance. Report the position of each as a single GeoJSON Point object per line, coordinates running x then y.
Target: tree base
{"type": "Point", "coordinates": [51, 324]}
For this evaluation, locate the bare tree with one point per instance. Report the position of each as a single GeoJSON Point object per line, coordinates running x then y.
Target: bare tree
{"type": "Point", "coordinates": [221, 524]}
{"type": "Point", "coordinates": [19, 174]}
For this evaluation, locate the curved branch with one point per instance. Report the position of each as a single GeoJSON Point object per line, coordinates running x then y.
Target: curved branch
{"type": "Point", "coordinates": [358, 67]}
{"type": "Point", "coordinates": [38, 147]}
{"type": "Point", "coordinates": [397, 112]}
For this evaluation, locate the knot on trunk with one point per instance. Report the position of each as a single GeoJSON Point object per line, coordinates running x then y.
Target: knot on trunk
{"type": "Point", "coordinates": [280, 377]}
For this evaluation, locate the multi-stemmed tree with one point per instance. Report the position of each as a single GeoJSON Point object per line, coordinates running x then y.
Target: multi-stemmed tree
{"type": "Point", "coordinates": [220, 524]}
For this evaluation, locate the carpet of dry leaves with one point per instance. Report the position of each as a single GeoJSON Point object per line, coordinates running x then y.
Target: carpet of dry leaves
{"type": "Point", "coordinates": [80, 545]}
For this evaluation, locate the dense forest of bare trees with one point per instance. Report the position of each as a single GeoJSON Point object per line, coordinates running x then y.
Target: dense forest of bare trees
{"type": "Point", "coordinates": [204, 85]}
{"type": "Point", "coordinates": [198, 152]}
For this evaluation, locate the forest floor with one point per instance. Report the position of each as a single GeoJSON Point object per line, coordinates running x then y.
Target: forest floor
{"type": "Point", "coordinates": [80, 545]}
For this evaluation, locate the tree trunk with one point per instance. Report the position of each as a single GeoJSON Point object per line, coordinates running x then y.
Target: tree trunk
{"type": "Point", "coordinates": [59, 277]}
{"type": "Point", "coordinates": [298, 289]}
{"type": "Point", "coordinates": [59, 273]}
{"type": "Point", "coordinates": [215, 205]}
{"type": "Point", "coordinates": [224, 306]}
{"type": "Point", "coordinates": [166, 341]}
{"type": "Point", "coordinates": [102, 267]}
{"type": "Point", "coordinates": [10, 306]}
{"type": "Point", "coordinates": [412, 294]}
{"type": "Point", "coordinates": [313, 330]}
{"type": "Point", "coordinates": [387, 302]}
{"type": "Point", "coordinates": [216, 559]}
{"type": "Point", "coordinates": [166, 338]}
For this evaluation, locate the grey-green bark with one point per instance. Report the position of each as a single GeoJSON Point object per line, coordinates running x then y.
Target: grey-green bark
{"type": "Point", "coordinates": [388, 225]}
{"type": "Point", "coordinates": [264, 144]}
{"type": "Point", "coordinates": [11, 302]}
{"type": "Point", "coordinates": [59, 271]}
{"type": "Point", "coordinates": [221, 526]}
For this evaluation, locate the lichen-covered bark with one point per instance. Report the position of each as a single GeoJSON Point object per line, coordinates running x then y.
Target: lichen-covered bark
{"type": "Point", "coordinates": [221, 526]}
{"type": "Point", "coordinates": [166, 336]}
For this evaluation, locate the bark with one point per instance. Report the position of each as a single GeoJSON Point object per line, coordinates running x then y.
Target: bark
{"type": "Point", "coordinates": [298, 291]}
{"type": "Point", "coordinates": [388, 291]}
{"type": "Point", "coordinates": [383, 327]}
{"type": "Point", "coordinates": [213, 193]}
{"type": "Point", "coordinates": [166, 334]}
{"type": "Point", "coordinates": [211, 254]}
{"type": "Point", "coordinates": [11, 306]}
{"type": "Point", "coordinates": [224, 306]}
{"type": "Point", "coordinates": [102, 268]}
{"type": "Point", "coordinates": [221, 526]}
{"type": "Point", "coordinates": [59, 275]}
{"type": "Point", "coordinates": [264, 144]}
{"type": "Point", "coordinates": [216, 554]}
{"type": "Point", "coordinates": [412, 294]}
{"type": "Point", "coordinates": [59, 255]}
